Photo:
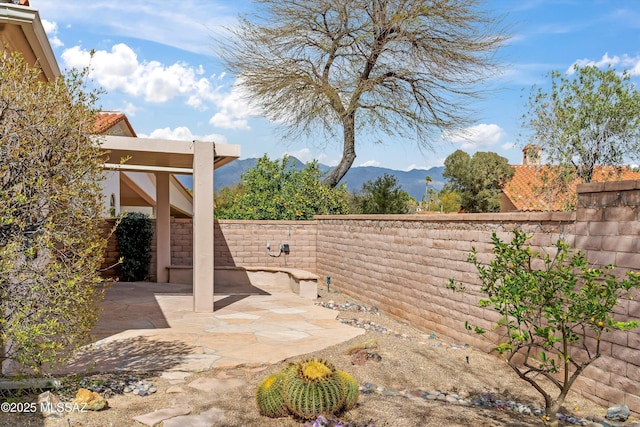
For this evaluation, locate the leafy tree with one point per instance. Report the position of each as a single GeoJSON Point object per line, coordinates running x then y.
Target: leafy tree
{"type": "Point", "coordinates": [479, 179]}
{"type": "Point", "coordinates": [589, 118]}
{"type": "Point", "coordinates": [384, 195]}
{"type": "Point", "coordinates": [277, 190]}
{"type": "Point", "coordinates": [449, 201]}
{"type": "Point", "coordinates": [401, 68]}
{"type": "Point", "coordinates": [553, 318]}
{"type": "Point", "coordinates": [51, 242]}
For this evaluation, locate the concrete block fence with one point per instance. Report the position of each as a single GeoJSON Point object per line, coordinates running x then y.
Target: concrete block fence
{"type": "Point", "coordinates": [401, 263]}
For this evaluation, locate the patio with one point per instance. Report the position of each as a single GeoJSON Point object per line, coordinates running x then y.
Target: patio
{"type": "Point", "coordinates": [152, 327]}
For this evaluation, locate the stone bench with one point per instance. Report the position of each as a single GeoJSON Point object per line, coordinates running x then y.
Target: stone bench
{"type": "Point", "coordinates": [301, 282]}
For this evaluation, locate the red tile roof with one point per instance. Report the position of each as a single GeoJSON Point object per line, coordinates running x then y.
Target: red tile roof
{"type": "Point", "coordinates": [527, 190]}
{"type": "Point", "coordinates": [108, 119]}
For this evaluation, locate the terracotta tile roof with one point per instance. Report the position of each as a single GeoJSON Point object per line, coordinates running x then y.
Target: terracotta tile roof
{"type": "Point", "coordinates": [108, 119]}
{"type": "Point", "coordinates": [527, 190]}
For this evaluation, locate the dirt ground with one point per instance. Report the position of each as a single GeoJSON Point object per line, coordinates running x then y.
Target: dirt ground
{"type": "Point", "coordinates": [407, 365]}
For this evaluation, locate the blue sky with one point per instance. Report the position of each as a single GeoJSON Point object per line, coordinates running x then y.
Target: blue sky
{"type": "Point", "coordinates": [157, 63]}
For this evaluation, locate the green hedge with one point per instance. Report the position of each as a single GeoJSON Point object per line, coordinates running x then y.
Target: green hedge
{"type": "Point", "coordinates": [134, 233]}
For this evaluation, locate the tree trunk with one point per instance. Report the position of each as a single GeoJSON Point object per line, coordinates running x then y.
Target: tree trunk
{"type": "Point", "coordinates": [348, 152]}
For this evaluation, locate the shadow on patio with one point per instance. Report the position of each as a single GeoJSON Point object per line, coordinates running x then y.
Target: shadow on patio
{"type": "Point", "coordinates": [152, 327]}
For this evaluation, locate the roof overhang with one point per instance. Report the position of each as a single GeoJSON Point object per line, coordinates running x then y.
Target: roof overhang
{"type": "Point", "coordinates": [159, 155]}
{"type": "Point", "coordinates": [21, 30]}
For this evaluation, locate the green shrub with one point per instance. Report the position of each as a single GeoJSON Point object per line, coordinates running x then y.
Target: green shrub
{"type": "Point", "coordinates": [553, 317]}
{"type": "Point", "coordinates": [135, 233]}
{"type": "Point", "coordinates": [51, 208]}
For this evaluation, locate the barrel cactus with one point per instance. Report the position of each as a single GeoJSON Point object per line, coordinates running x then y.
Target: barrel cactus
{"type": "Point", "coordinates": [307, 389]}
{"type": "Point", "coordinates": [269, 396]}
{"type": "Point", "coordinates": [351, 390]}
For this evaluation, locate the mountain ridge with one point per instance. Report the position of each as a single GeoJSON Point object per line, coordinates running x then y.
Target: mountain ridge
{"type": "Point", "coordinates": [413, 181]}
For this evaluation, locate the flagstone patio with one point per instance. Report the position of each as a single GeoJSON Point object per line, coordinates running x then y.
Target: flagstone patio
{"type": "Point", "coordinates": [152, 327]}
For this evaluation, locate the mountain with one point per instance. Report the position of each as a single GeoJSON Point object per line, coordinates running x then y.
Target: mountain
{"type": "Point", "coordinates": [413, 181]}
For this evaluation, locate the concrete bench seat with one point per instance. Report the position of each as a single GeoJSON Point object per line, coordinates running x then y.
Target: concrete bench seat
{"type": "Point", "coordinates": [302, 282]}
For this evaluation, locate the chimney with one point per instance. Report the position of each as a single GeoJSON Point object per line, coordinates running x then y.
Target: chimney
{"type": "Point", "coordinates": [531, 154]}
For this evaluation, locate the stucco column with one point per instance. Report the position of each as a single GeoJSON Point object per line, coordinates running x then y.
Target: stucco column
{"type": "Point", "coordinates": [203, 153]}
{"type": "Point", "coordinates": [163, 227]}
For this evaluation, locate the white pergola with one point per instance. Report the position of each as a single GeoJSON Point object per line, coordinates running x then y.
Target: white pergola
{"type": "Point", "coordinates": [164, 157]}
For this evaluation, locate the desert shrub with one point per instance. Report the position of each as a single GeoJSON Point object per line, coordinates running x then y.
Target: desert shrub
{"type": "Point", "coordinates": [51, 242]}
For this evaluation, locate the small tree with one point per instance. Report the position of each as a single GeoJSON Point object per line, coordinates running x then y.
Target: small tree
{"type": "Point", "coordinates": [589, 118]}
{"type": "Point", "coordinates": [449, 201]}
{"type": "Point", "coordinates": [277, 190]}
{"type": "Point", "coordinates": [384, 195]}
{"type": "Point", "coordinates": [553, 317]}
{"type": "Point", "coordinates": [479, 179]}
{"type": "Point", "coordinates": [51, 241]}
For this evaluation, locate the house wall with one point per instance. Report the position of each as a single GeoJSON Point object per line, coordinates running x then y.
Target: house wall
{"type": "Point", "coordinates": [401, 263]}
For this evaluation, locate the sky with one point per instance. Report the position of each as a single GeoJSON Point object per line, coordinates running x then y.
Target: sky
{"type": "Point", "coordinates": [156, 61]}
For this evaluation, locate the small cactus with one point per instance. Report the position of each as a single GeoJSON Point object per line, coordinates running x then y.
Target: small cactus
{"type": "Point", "coordinates": [269, 397]}
{"type": "Point", "coordinates": [307, 389]}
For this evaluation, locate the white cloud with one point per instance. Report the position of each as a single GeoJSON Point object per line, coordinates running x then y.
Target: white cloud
{"type": "Point", "coordinates": [629, 63]}
{"type": "Point", "coordinates": [370, 163]}
{"type": "Point", "coordinates": [234, 110]}
{"type": "Point", "coordinates": [120, 69]}
{"type": "Point", "coordinates": [183, 133]}
{"type": "Point", "coordinates": [482, 136]}
{"type": "Point", "coordinates": [51, 28]}
{"type": "Point", "coordinates": [129, 109]}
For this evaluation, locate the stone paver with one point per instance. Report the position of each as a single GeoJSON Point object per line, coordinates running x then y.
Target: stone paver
{"type": "Point", "coordinates": [151, 326]}
{"type": "Point", "coordinates": [211, 417]}
{"type": "Point", "coordinates": [156, 417]}
{"type": "Point", "coordinates": [216, 385]}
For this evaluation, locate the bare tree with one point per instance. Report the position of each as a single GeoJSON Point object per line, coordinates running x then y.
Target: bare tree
{"type": "Point", "coordinates": [403, 68]}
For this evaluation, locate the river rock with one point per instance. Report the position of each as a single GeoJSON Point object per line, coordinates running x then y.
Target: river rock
{"type": "Point", "coordinates": [618, 413]}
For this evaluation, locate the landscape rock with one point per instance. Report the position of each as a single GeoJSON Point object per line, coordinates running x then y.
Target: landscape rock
{"type": "Point", "coordinates": [618, 413]}
{"type": "Point", "coordinates": [90, 400]}
{"type": "Point", "coordinates": [47, 404]}
{"type": "Point", "coordinates": [359, 358]}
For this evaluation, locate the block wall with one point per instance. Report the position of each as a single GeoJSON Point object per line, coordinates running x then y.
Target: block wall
{"type": "Point", "coordinates": [243, 243]}
{"type": "Point", "coordinates": [402, 263]}
{"type": "Point", "coordinates": [608, 230]}
{"type": "Point", "coordinates": [109, 267]}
